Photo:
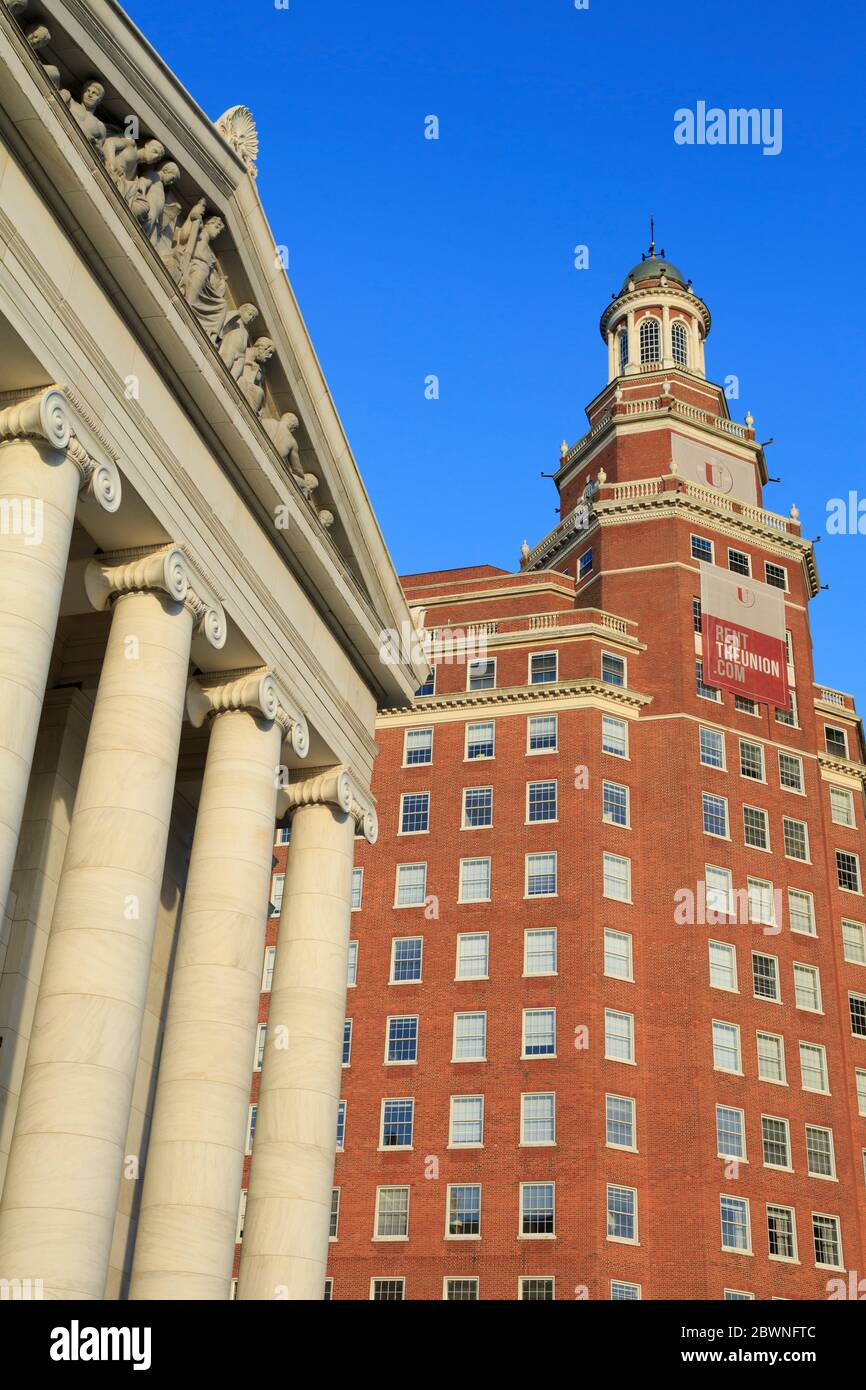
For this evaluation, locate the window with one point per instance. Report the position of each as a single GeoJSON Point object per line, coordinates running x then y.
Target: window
{"type": "Point", "coordinates": [841, 806]}
{"type": "Point", "coordinates": [242, 1212]}
{"type": "Point", "coordinates": [414, 813]}
{"type": "Point", "coordinates": [617, 877]}
{"type": "Point", "coordinates": [776, 575]}
{"type": "Point", "coordinates": [617, 954]}
{"type": "Point", "coordinates": [723, 966]}
{"type": "Point", "coordinates": [796, 838]}
{"type": "Point", "coordinates": [679, 343]}
{"type": "Point", "coordinates": [335, 1213]}
{"type": "Point", "coordinates": [791, 772]}
{"type": "Point", "coordinates": [540, 801]}
{"type": "Point", "coordinates": [268, 968]}
{"type": "Point", "coordinates": [621, 1213]}
{"type": "Point", "coordinates": [836, 741]}
{"type": "Point", "coordinates": [283, 835]}
{"type": "Point", "coordinates": [715, 810]}
{"type": "Point", "coordinates": [820, 1157]}
{"type": "Point", "coordinates": [614, 736]}
{"type": "Point", "coordinates": [612, 669]}
{"type": "Point", "coordinates": [277, 885]}
{"type": "Point", "coordinates": [744, 705]}
{"type": "Point", "coordinates": [756, 827]}
{"type": "Point", "coordinates": [697, 617]}
{"type": "Point", "coordinates": [261, 1036]}
{"type": "Point", "coordinates": [712, 745]}
{"type": "Point", "coordinates": [706, 692]}
{"type": "Point", "coordinates": [482, 674]}
{"type": "Point", "coordinates": [854, 942]}
{"type": "Point", "coordinates": [584, 565]}
{"type": "Point", "coordinates": [461, 1290]}
{"type": "Point", "coordinates": [827, 1240]}
{"type": "Point", "coordinates": [620, 1292]}
{"type": "Point", "coordinates": [411, 885]}
{"type": "Point", "coordinates": [539, 1033]}
{"type": "Point", "coordinates": [352, 965]}
{"type": "Point", "coordinates": [470, 1037]}
{"type": "Point", "coordinates": [618, 1036]}
{"type": "Point", "coordinates": [848, 871]}
{"type": "Point", "coordinates": [726, 1047]}
{"type": "Point", "coordinates": [542, 733]}
{"type": "Point", "coordinates": [538, 1118]}
{"type": "Point", "coordinates": [735, 1224]}
{"type": "Point", "coordinates": [398, 1123]}
{"type": "Point", "coordinates": [474, 880]}
{"type": "Point", "coordinates": [702, 549]}
{"type": "Point", "coordinates": [622, 339]}
{"type": "Point", "coordinates": [464, 1210]}
{"type": "Point", "coordinates": [388, 1290]}
{"type": "Point", "coordinates": [357, 889]}
{"type": "Point", "coordinates": [251, 1127]}
{"type": "Point", "coordinates": [392, 1213]}
{"type": "Point", "coordinates": [480, 740]}
{"type": "Point", "coordinates": [530, 1289]}
{"type": "Point", "coordinates": [801, 909]}
{"type": "Point", "coordinates": [860, 1080]}
{"type": "Point", "coordinates": [539, 951]}
{"type": "Point", "coordinates": [807, 987]}
{"type": "Point", "coordinates": [417, 747]}
{"type": "Point", "coordinates": [347, 1042]}
{"type": "Point", "coordinates": [477, 807]}
{"type": "Point", "coordinates": [776, 1142]}
{"type": "Point", "coordinates": [788, 716]}
{"type": "Point", "coordinates": [614, 804]}
{"type": "Point", "coordinates": [619, 1122]}
{"type": "Point", "coordinates": [650, 340]}
{"type": "Point", "coordinates": [739, 562]}
{"type": "Point", "coordinates": [813, 1067]}
{"type": "Point", "coordinates": [543, 668]}
{"type": "Point", "coordinates": [429, 686]}
{"type": "Point", "coordinates": [341, 1126]}
{"type": "Point", "coordinates": [752, 761]}
{"type": "Point", "coordinates": [402, 1038]}
{"type": "Point", "coordinates": [762, 901]}
{"type": "Point", "coordinates": [771, 1057]}
{"type": "Point", "coordinates": [466, 1129]}
{"type": "Point", "coordinates": [406, 954]}
{"type": "Point", "coordinates": [781, 1232]}
{"type": "Point", "coordinates": [719, 888]}
{"type": "Point", "coordinates": [857, 1010]}
{"type": "Point", "coordinates": [765, 976]}
{"type": "Point", "coordinates": [536, 1209]}
{"type": "Point", "coordinates": [472, 955]}
{"type": "Point", "coordinates": [541, 875]}
{"type": "Point", "coordinates": [730, 1133]}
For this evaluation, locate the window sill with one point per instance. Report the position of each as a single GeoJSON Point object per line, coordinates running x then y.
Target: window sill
{"type": "Point", "coordinates": [395, 1148]}
{"type": "Point", "coordinates": [388, 1240]}
{"type": "Point", "coordinates": [622, 1240]}
{"type": "Point", "coordinates": [538, 1056]}
{"type": "Point", "coordinates": [536, 1235]}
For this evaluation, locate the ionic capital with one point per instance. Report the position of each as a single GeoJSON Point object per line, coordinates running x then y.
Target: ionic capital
{"type": "Point", "coordinates": [333, 786]}
{"type": "Point", "coordinates": [167, 571]}
{"type": "Point", "coordinates": [47, 416]}
{"type": "Point", "coordinates": [257, 690]}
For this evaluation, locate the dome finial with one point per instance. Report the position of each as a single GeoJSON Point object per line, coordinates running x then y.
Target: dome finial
{"type": "Point", "coordinates": [652, 245]}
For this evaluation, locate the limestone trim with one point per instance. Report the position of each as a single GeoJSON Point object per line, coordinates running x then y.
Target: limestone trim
{"type": "Point", "coordinates": [333, 786]}
{"type": "Point", "coordinates": [517, 694]}
{"type": "Point", "coordinates": [257, 689]}
{"type": "Point", "coordinates": [842, 767]}
{"type": "Point", "coordinates": [167, 570]}
{"type": "Point", "coordinates": [46, 416]}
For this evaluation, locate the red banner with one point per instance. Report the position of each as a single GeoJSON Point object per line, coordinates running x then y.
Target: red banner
{"type": "Point", "coordinates": [743, 637]}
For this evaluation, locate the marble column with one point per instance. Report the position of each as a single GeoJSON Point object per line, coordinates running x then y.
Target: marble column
{"type": "Point", "coordinates": [285, 1248]}
{"type": "Point", "coordinates": [185, 1243]}
{"type": "Point", "coordinates": [67, 1155]}
{"type": "Point", "coordinates": [43, 468]}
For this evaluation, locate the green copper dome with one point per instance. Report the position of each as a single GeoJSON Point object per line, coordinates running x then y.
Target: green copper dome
{"type": "Point", "coordinates": [650, 269]}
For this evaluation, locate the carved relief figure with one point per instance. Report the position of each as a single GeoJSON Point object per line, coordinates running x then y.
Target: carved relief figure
{"type": "Point", "coordinates": [252, 378]}
{"type": "Point", "coordinates": [150, 193]}
{"type": "Point", "coordinates": [84, 111]}
{"type": "Point", "coordinates": [37, 39]}
{"type": "Point", "coordinates": [282, 436]}
{"type": "Point", "coordinates": [123, 159]}
{"type": "Point", "coordinates": [200, 278]}
{"type": "Point", "coordinates": [236, 338]}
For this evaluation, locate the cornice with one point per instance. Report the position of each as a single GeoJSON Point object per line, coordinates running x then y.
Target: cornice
{"type": "Point", "coordinates": [842, 766]}
{"type": "Point", "coordinates": [649, 295]}
{"type": "Point", "coordinates": [514, 694]}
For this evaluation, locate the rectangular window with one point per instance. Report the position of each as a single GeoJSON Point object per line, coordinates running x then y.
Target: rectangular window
{"type": "Point", "coordinates": [614, 804]}
{"type": "Point", "coordinates": [776, 1142]}
{"type": "Point", "coordinates": [474, 880]}
{"type": "Point", "coordinates": [473, 950]}
{"type": "Point", "coordinates": [854, 942]}
{"type": "Point", "coordinates": [411, 885]}
{"type": "Point", "coordinates": [347, 1042]}
{"type": "Point", "coordinates": [531, 1290]}
{"type": "Point", "coordinates": [268, 968]}
{"type": "Point", "coordinates": [414, 813]}
{"type": "Point", "coordinates": [697, 617]}
{"type": "Point", "coordinates": [756, 827]}
{"type": "Point", "coordinates": [776, 575]}
{"type": "Point", "coordinates": [541, 875]}
{"type": "Point", "coordinates": [417, 747]}
{"type": "Point", "coordinates": [429, 686]}
{"type": "Point", "coordinates": [743, 705]}
{"type": "Point", "coordinates": [406, 953]}
{"type": "Point", "coordinates": [614, 736]}
{"type": "Point", "coordinates": [538, 1118]}
{"type": "Point", "coordinates": [402, 1038]}
{"type": "Point", "coordinates": [540, 801]}
{"type": "Point", "coordinates": [617, 954]}
{"type": "Point", "coordinates": [539, 951]}
{"type": "Point", "coordinates": [617, 877]}
{"type": "Point", "coordinates": [467, 1122]}
{"type": "Point", "coordinates": [277, 885]}
{"type": "Point", "coordinates": [482, 674]}
{"type": "Point", "coordinates": [715, 812]}
{"type": "Point", "coordinates": [781, 1232]}
{"type": "Point", "coordinates": [801, 909]}
{"type": "Point", "coordinates": [848, 871]}
{"type": "Point", "coordinates": [543, 668]}
{"type": "Point", "coordinates": [619, 1122]}
{"type": "Point", "coordinates": [584, 565]}
{"type": "Point", "coordinates": [706, 692]}
{"type": "Point", "coordinates": [771, 1057]}
{"type": "Point", "coordinates": [857, 1010]}
{"type": "Point", "coordinates": [765, 976]}
{"type": "Point", "coordinates": [618, 1036]}
{"type": "Point", "coordinates": [791, 772]}
{"type": "Point", "coordinates": [788, 716]}
{"type": "Point", "coordinates": [712, 748]}
{"type": "Point", "coordinates": [461, 1290]}
{"type": "Point", "coordinates": [702, 549]}
{"type": "Point", "coordinates": [283, 835]}
{"type": "Point", "coordinates": [536, 1209]}
{"type": "Point", "coordinates": [480, 740]}
{"type": "Point", "coordinates": [621, 1292]}
{"type": "Point", "coordinates": [827, 1241]}
{"type": "Point", "coordinates": [464, 1210]}
{"type": "Point", "coordinates": [751, 761]}
{"type": "Point", "coordinates": [841, 806]}
{"type": "Point", "coordinates": [730, 1133]}
{"type": "Point", "coordinates": [352, 965]}
{"type": "Point", "coordinates": [341, 1126]}
{"type": "Point", "coordinates": [539, 1032]}
{"type": "Point", "coordinates": [726, 1047]}
{"type": "Point", "coordinates": [392, 1213]}
{"type": "Point", "coordinates": [477, 807]}
{"type": "Point", "coordinates": [736, 1234]}
{"type": "Point", "coordinates": [860, 1082]}
{"type": "Point", "coordinates": [398, 1123]}
{"type": "Point", "coordinates": [719, 888]}
{"type": "Point", "coordinates": [621, 1213]}
{"type": "Point", "coordinates": [739, 562]}
{"type": "Point", "coordinates": [542, 733]}
{"type": "Point", "coordinates": [613, 669]}
{"type": "Point", "coordinates": [796, 839]}
{"type": "Point", "coordinates": [836, 741]}
{"type": "Point", "coordinates": [388, 1290]}
{"type": "Point", "coordinates": [820, 1156]}
{"type": "Point", "coordinates": [723, 966]}
{"type": "Point", "coordinates": [762, 902]}
{"type": "Point", "coordinates": [335, 1213]}
{"type": "Point", "coordinates": [470, 1037]}
{"type": "Point", "coordinates": [813, 1067]}
{"type": "Point", "coordinates": [261, 1037]}
{"type": "Point", "coordinates": [807, 987]}
{"type": "Point", "coordinates": [357, 889]}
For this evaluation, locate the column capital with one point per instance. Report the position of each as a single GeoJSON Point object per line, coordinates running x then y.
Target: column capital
{"type": "Point", "coordinates": [167, 570]}
{"type": "Point", "coordinates": [257, 690]}
{"type": "Point", "coordinates": [335, 786]}
{"type": "Point", "coordinates": [48, 416]}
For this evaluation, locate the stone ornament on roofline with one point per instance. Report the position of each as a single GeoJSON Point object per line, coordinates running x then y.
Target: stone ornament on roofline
{"type": "Point", "coordinates": [238, 128]}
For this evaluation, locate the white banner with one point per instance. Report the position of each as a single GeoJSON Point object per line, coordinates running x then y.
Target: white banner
{"type": "Point", "coordinates": [714, 469]}
{"type": "Point", "coordinates": [743, 636]}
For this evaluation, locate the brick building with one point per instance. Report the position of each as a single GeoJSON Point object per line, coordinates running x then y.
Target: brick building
{"type": "Point", "coordinates": [606, 1015]}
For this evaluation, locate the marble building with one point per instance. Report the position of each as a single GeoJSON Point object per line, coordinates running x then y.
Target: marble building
{"type": "Point", "coordinates": [193, 589]}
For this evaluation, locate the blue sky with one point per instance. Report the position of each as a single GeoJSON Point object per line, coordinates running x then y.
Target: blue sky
{"type": "Point", "coordinates": [413, 257]}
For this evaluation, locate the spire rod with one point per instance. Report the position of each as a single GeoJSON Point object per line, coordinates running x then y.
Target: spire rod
{"type": "Point", "coordinates": [652, 245]}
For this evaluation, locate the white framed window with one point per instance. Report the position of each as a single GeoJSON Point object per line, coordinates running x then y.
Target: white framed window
{"type": "Point", "coordinates": [813, 1068]}
{"type": "Point", "coordinates": [860, 1084]}
{"type": "Point", "coordinates": [242, 1211]}
{"type": "Point", "coordinates": [539, 1033]}
{"type": "Point", "coordinates": [539, 951]}
{"type": "Point", "coordinates": [470, 1037]}
{"type": "Point", "coordinates": [775, 575]}
{"type": "Point", "coordinates": [820, 1152]}
{"type": "Point", "coordinates": [466, 1123]}
{"type": "Point", "coordinates": [827, 1241]}
{"type": "Point", "coordinates": [730, 1133]}
{"type": "Point", "coordinates": [541, 875]}
{"type": "Point", "coordinates": [736, 1224]}
{"type": "Point", "coordinates": [618, 954]}
{"type": "Point", "coordinates": [623, 1292]}
{"type": "Point", "coordinates": [771, 1058]}
{"type": "Point", "coordinates": [776, 1142]}
{"type": "Point", "coordinates": [746, 706]}
{"type": "Point", "coordinates": [781, 1233]}
{"type": "Point", "coordinates": [795, 834]}
{"type": "Point", "coordinates": [406, 956]}
{"type": "Point", "coordinates": [460, 1290]}
{"type": "Point", "coordinates": [649, 340]}
{"type": "Point", "coordinates": [617, 877]}
{"type": "Point", "coordinates": [584, 565]}
{"type": "Point", "coordinates": [613, 669]}
{"type": "Point", "coordinates": [841, 806]}
{"type": "Point", "coordinates": [791, 772]}
{"type": "Point", "coordinates": [622, 343]}
{"type": "Point", "coordinates": [739, 562]}
{"type": "Point", "coordinates": [352, 965]}
{"type": "Point", "coordinates": [765, 976]}
{"type": "Point", "coordinates": [411, 885]}
{"type": "Point", "coordinates": [283, 835]}
{"type": "Point", "coordinates": [538, 1118]}
{"type": "Point", "coordinates": [532, 1289]}
{"type": "Point", "coordinates": [723, 966]}
{"type": "Point", "coordinates": [712, 748]}
{"type": "Point", "coordinates": [762, 901]}
{"type": "Point", "coordinates": [801, 910]}
{"type": "Point", "coordinates": [397, 1123]}
{"type": "Point", "coordinates": [268, 968]}
{"type": "Point", "coordinates": [473, 955]}
{"type": "Point", "coordinates": [618, 1036]}
{"type": "Point", "coordinates": [277, 884]}
{"type": "Point", "coordinates": [836, 741]}
{"type": "Point", "coordinates": [719, 890]}
{"type": "Point", "coordinates": [614, 804]}
{"type": "Point", "coordinates": [537, 1209]}
{"type": "Point", "coordinates": [464, 1211]}
{"type": "Point", "coordinates": [261, 1038]}
{"type": "Point", "coordinates": [702, 548]}
{"type": "Point", "coordinates": [251, 1128]}
{"type": "Point", "coordinates": [715, 815]}
{"type": "Point", "coordinates": [542, 732]}
{"type": "Point", "coordinates": [357, 889]}
{"type": "Point", "coordinates": [543, 668]}
{"type": "Point", "coordinates": [752, 761]}
{"type": "Point", "coordinates": [474, 880]}
{"type": "Point", "coordinates": [807, 987]}
{"type": "Point", "coordinates": [857, 1011]}
{"type": "Point", "coordinates": [401, 1039]}
{"type": "Point", "coordinates": [477, 808]}
{"type": "Point", "coordinates": [789, 716]}
{"type": "Point", "coordinates": [417, 747]}
{"type": "Point", "coordinates": [679, 343]}
{"type": "Point", "coordinates": [429, 686]}
{"type": "Point", "coordinates": [619, 1118]}
{"type": "Point", "coordinates": [341, 1127]}
{"type": "Point", "coordinates": [854, 942]}
{"type": "Point", "coordinates": [481, 674]}
{"type": "Point", "coordinates": [622, 1213]}
{"type": "Point", "coordinates": [541, 801]}
{"type": "Point", "coordinates": [756, 827]}
{"type": "Point", "coordinates": [387, 1290]}
{"type": "Point", "coordinates": [480, 740]}
{"type": "Point", "coordinates": [727, 1055]}
{"type": "Point", "coordinates": [848, 871]}
{"type": "Point", "coordinates": [414, 813]}
{"type": "Point", "coordinates": [392, 1214]}
{"type": "Point", "coordinates": [614, 736]}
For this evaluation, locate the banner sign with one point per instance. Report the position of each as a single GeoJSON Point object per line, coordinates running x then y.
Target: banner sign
{"type": "Point", "coordinates": [743, 636]}
{"type": "Point", "coordinates": [714, 469]}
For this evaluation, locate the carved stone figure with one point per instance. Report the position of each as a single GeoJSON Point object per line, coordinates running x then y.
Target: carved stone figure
{"type": "Point", "coordinates": [252, 378]}
{"type": "Point", "coordinates": [236, 339]}
{"type": "Point", "coordinates": [84, 111]}
{"type": "Point", "coordinates": [282, 435]}
{"type": "Point", "coordinates": [37, 39]}
{"type": "Point", "coordinates": [199, 276]}
{"type": "Point", "coordinates": [150, 193]}
{"type": "Point", "coordinates": [123, 160]}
